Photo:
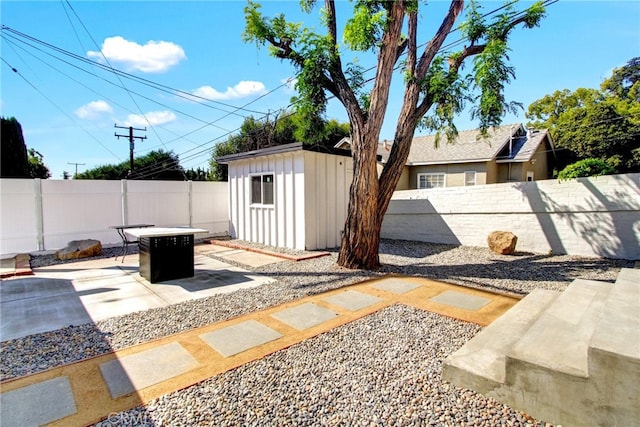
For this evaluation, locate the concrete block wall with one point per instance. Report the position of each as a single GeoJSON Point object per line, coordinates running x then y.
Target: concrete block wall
{"type": "Point", "coordinates": [597, 216]}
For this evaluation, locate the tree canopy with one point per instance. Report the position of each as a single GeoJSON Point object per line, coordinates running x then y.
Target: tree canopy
{"type": "Point", "coordinates": [433, 83]}
{"type": "Point", "coordinates": [595, 124]}
{"type": "Point", "coordinates": [156, 165]}
{"type": "Point", "coordinates": [286, 128]}
{"type": "Point", "coordinates": [37, 168]}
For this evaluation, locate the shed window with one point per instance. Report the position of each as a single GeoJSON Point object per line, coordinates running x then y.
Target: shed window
{"type": "Point", "coordinates": [262, 189]}
{"type": "Point", "coordinates": [430, 180]}
{"type": "Point", "coordinates": [470, 178]}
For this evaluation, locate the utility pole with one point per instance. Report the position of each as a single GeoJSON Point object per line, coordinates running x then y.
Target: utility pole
{"type": "Point", "coordinates": [132, 139]}
{"type": "Point", "coordinates": [76, 174]}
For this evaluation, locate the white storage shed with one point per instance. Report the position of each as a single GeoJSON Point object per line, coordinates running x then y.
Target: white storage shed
{"type": "Point", "coordinates": [293, 196]}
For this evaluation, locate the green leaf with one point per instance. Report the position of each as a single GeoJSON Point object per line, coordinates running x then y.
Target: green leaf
{"type": "Point", "coordinates": [364, 29]}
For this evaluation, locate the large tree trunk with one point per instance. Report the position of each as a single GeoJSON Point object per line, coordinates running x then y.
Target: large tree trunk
{"type": "Point", "coordinates": [369, 198]}
{"type": "Point", "coordinates": [361, 237]}
{"type": "Point", "coordinates": [369, 195]}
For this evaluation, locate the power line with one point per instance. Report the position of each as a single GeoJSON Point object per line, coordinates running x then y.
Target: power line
{"type": "Point", "coordinates": [11, 43]}
{"type": "Point", "coordinates": [132, 139]}
{"type": "Point", "coordinates": [452, 44]}
{"type": "Point", "coordinates": [182, 93]}
{"type": "Point", "coordinates": [57, 106]}
{"type": "Point", "coordinates": [22, 37]}
{"type": "Point", "coordinates": [111, 68]}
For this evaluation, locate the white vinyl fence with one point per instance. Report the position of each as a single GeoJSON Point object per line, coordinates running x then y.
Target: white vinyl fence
{"type": "Point", "coordinates": [587, 216]}
{"type": "Point", "coordinates": [597, 216]}
{"type": "Point", "coordinates": [47, 214]}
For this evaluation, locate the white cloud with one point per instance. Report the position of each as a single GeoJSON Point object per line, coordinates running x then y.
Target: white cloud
{"type": "Point", "coordinates": [153, 57]}
{"type": "Point", "coordinates": [242, 90]}
{"type": "Point", "coordinates": [152, 118]}
{"type": "Point", "coordinates": [93, 110]}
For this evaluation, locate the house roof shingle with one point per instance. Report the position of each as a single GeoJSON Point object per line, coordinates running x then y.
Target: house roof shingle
{"type": "Point", "coordinates": [524, 147]}
{"type": "Point", "coordinates": [508, 143]}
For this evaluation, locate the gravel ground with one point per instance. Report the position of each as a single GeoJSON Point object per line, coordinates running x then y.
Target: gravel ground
{"type": "Point", "coordinates": [381, 370]}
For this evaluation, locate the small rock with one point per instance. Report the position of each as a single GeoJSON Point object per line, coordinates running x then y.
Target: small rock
{"type": "Point", "coordinates": [502, 242]}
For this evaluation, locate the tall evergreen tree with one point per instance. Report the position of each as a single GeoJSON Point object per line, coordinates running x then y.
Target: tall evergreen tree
{"type": "Point", "coordinates": [14, 157]}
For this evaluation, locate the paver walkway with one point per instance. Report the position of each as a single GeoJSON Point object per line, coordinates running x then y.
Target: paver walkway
{"type": "Point", "coordinates": [88, 391]}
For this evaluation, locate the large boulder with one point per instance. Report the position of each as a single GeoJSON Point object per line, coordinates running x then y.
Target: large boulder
{"type": "Point", "coordinates": [80, 249]}
{"type": "Point", "coordinates": [502, 242]}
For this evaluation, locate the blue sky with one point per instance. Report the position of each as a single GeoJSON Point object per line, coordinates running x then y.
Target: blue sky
{"type": "Point", "coordinates": [171, 50]}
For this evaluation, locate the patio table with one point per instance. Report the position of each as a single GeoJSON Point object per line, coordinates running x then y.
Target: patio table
{"type": "Point", "coordinates": [125, 240]}
{"type": "Point", "coordinates": [165, 253]}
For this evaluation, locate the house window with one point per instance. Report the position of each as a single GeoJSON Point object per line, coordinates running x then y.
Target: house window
{"type": "Point", "coordinates": [470, 178]}
{"type": "Point", "coordinates": [529, 175]}
{"type": "Point", "coordinates": [430, 180]}
{"type": "Point", "coordinates": [262, 189]}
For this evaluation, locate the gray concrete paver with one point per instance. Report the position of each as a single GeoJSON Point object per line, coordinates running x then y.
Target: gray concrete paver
{"type": "Point", "coordinates": [304, 316]}
{"type": "Point", "coordinates": [352, 300]}
{"type": "Point", "coordinates": [37, 404]}
{"type": "Point", "coordinates": [396, 286]}
{"type": "Point", "coordinates": [461, 300]}
{"type": "Point", "coordinates": [137, 371]}
{"type": "Point", "coordinates": [234, 339]}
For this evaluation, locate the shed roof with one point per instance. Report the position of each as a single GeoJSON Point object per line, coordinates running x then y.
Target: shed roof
{"type": "Point", "coordinates": [281, 149]}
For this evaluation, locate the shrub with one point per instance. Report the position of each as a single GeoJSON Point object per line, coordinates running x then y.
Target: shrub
{"type": "Point", "coordinates": [586, 167]}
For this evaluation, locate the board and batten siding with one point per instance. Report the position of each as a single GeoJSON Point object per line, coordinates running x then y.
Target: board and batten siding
{"type": "Point", "coordinates": [327, 196]}
{"type": "Point", "coordinates": [310, 200]}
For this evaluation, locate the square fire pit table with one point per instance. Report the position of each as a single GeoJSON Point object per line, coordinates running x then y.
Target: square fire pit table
{"type": "Point", "coordinates": [165, 253]}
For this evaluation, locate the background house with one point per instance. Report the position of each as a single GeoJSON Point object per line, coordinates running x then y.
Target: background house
{"type": "Point", "coordinates": [508, 154]}
{"type": "Point", "coordinates": [291, 195]}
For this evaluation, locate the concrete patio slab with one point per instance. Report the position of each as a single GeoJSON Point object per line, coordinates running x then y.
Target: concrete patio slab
{"type": "Point", "coordinates": [396, 285]}
{"type": "Point", "coordinates": [237, 338]}
{"type": "Point", "coordinates": [461, 300]}
{"type": "Point", "coordinates": [80, 292]}
{"type": "Point", "coordinates": [352, 300]}
{"type": "Point", "coordinates": [36, 315]}
{"type": "Point", "coordinates": [37, 404]}
{"type": "Point", "coordinates": [34, 288]}
{"type": "Point", "coordinates": [305, 316]}
{"type": "Point", "coordinates": [130, 373]}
